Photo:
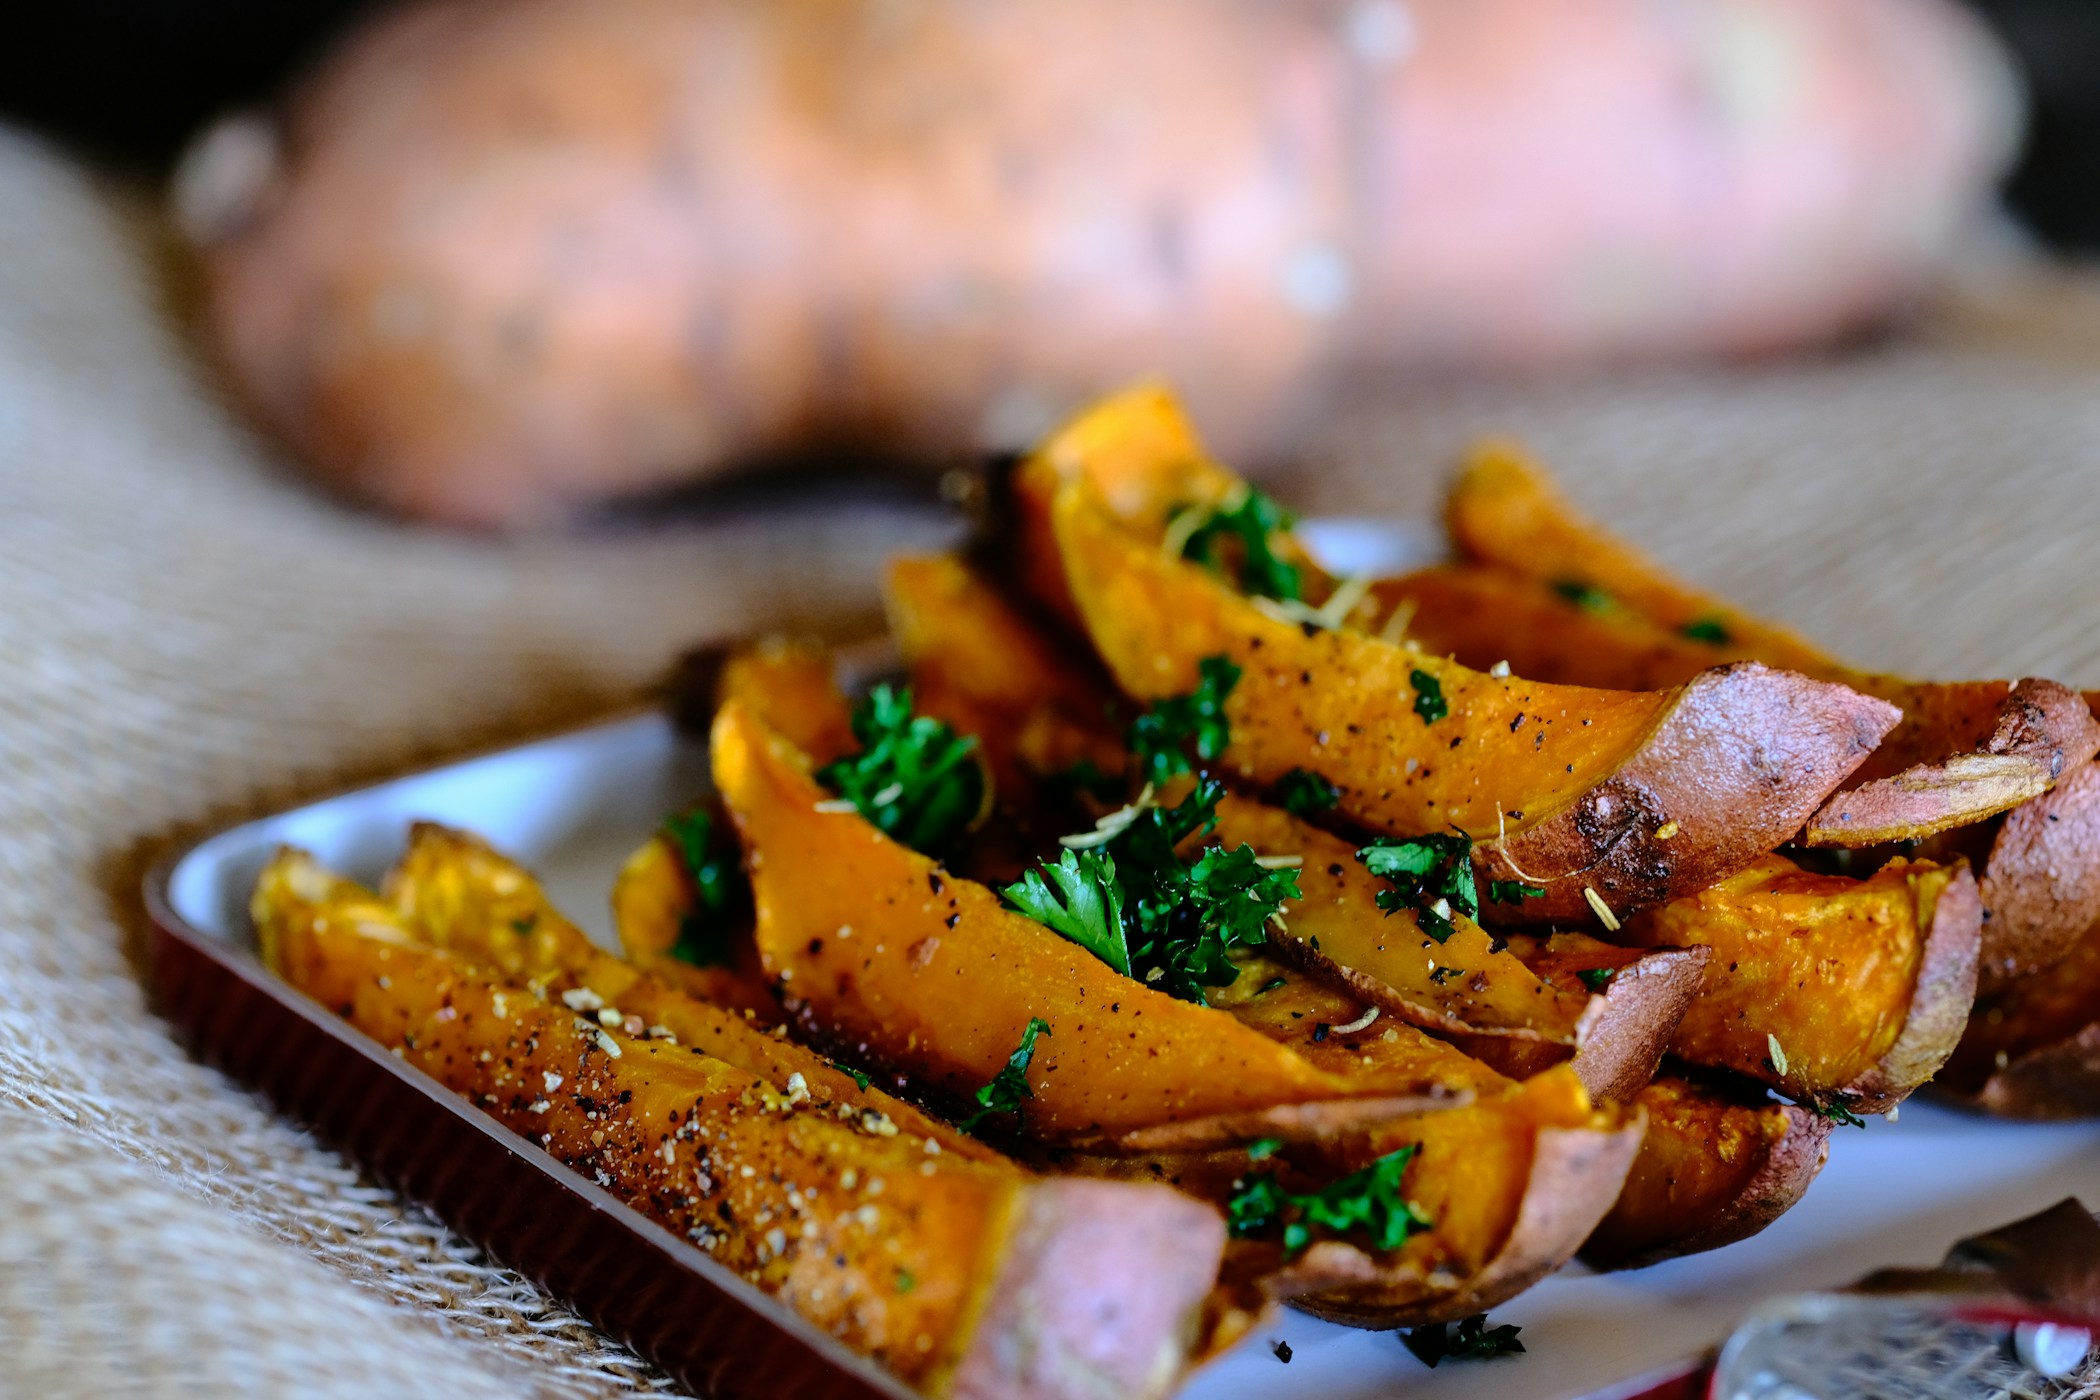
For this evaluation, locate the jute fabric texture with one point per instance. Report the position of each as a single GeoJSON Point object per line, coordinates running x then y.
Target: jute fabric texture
{"type": "Point", "coordinates": [188, 634]}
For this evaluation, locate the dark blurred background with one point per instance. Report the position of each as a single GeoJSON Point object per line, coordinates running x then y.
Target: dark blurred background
{"type": "Point", "coordinates": [127, 82]}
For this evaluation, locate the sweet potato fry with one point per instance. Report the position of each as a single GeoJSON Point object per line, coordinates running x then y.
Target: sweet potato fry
{"type": "Point", "coordinates": [455, 891]}
{"type": "Point", "coordinates": [1510, 1185]}
{"type": "Point", "coordinates": [949, 1272]}
{"type": "Point", "coordinates": [1716, 1166]}
{"type": "Point", "coordinates": [978, 662]}
{"type": "Point", "coordinates": [1629, 797]}
{"type": "Point", "coordinates": [2032, 1049]}
{"type": "Point", "coordinates": [1965, 750]}
{"type": "Point", "coordinates": [903, 964]}
{"type": "Point", "coordinates": [1843, 991]}
{"type": "Point", "coordinates": [1505, 511]}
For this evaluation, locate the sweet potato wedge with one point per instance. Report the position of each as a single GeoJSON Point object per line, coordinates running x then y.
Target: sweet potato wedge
{"type": "Point", "coordinates": [1631, 797]}
{"type": "Point", "coordinates": [1511, 1184]}
{"type": "Point", "coordinates": [1716, 1166]}
{"type": "Point", "coordinates": [1465, 985]}
{"type": "Point", "coordinates": [2032, 1048]}
{"type": "Point", "coordinates": [1964, 751]}
{"type": "Point", "coordinates": [957, 1275]}
{"type": "Point", "coordinates": [905, 965]}
{"type": "Point", "coordinates": [458, 893]}
{"type": "Point", "coordinates": [1826, 988]}
{"type": "Point", "coordinates": [978, 662]}
{"type": "Point", "coordinates": [652, 898]}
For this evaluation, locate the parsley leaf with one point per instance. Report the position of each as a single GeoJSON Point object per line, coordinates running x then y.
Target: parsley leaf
{"type": "Point", "coordinates": [1252, 525]}
{"type": "Point", "coordinates": [1142, 909]}
{"type": "Point", "coordinates": [1079, 898]}
{"type": "Point", "coordinates": [914, 777]}
{"type": "Point", "coordinates": [1368, 1200]}
{"type": "Point", "coordinates": [1429, 697]}
{"type": "Point", "coordinates": [1161, 738]}
{"type": "Point", "coordinates": [1009, 1087]}
{"type": "Point", "coordinates": [1588, 597]}
{"type": "Point", "coordinates": [1305, 793]}
{"type": "Point", "coordinates": [1469, 1339]}
{"type": "Point", "coordinates": [1595, 978]}
{"type": "Point", "coordinates": [721, 898]}
{"type": "Point", "coordinates": [1430, 875]}
{"type": "Point", "coordinates": [860, 1080]}
{"type": "Point", "coordinates": [1710, 630]}
{"type": "Point", "coordinates": [1839, 1111]}
{"type": "Point", "coordinates": [1513, 892]}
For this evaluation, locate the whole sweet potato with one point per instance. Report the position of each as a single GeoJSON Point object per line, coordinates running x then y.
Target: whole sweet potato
{"type": "Point", "coordinates": [498, 257]}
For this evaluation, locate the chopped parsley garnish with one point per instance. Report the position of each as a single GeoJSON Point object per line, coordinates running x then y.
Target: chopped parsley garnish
{"type": "Point", "coordinates": [1588, 597]}
{"type": "Point", "coordinates": [906, 1281]}
{"type": "Point", "coordinates": [1251, 524]}
{"type": "Point", "coordinates": [1838, 1111]}
{"type": "Point", "coordinates": [721, 897]}
{"type": "Point", "coordinates": [1595, 977]}
{"type": "Point", "coordinates": [1263, 1148]}
{"type": "Point", "coordinates": [1429, 697]}
{"type": "Point", "coordinates": [860, 1081]}
{"type": "Point", "coordinates": [1431, 876]}
{"type": "Point", "coordinates": [1079, 898]}
{"type": "Point", "coordinates": [1710, 630]}
{"type": "Point", "coordinates": [1305, 793]}
{"type": "Point", "coordinates": [914, 777]}
{"type": "Point", "coordinates": [1162, 738]}
{"type": "Point", "coordinates": [1272, 984]}
{"type": "Point", "coordinates": [1513, 892]}
{"type": "Point", "coordinates": [1441, 975]}
{"type": "Point", "coordinates": [1139, 907]}
{"type": "Point", "coordinates": [1368, 1201]}
{"type": "Point", "coordinates": [1009, 1087]}
{"type": "Point", "coordinates": [1468, 1339]}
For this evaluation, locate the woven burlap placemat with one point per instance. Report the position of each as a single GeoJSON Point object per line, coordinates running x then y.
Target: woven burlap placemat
{"type": "Point", "coordinates": [188, 635]}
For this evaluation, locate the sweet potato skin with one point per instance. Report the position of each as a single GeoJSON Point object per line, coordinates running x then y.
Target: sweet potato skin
{"type": "Point", "coordinates": [2032, 1047]}
{"type": "Point", "coordinates": [1715, 1167]}
{"type": "Point", "coordinates": [2041, 878]}
{"type": "Point", "coordinates": [1865, 984]}
{"type": "Point", "coordinates": [916, 969]}
{"type": "Point", "coordinates": [1639, 795]}
{"type": "Point", "coordinates": [920, 1271]}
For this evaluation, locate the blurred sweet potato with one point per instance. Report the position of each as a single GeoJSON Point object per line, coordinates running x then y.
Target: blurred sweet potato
{"type": "Point", "coordinates": [499, 257]}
